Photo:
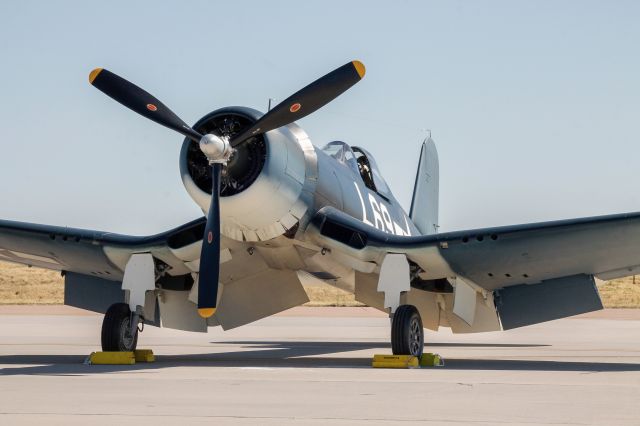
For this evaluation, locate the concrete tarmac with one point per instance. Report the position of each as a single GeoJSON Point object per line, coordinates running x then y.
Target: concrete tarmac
{"type": "Point", "coordinates": [312, 366]}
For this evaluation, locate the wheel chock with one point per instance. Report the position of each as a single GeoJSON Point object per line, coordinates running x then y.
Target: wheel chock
{"type": "Point", "coordinates": [407, 361]}
{"type": "Point", "coordinates": [111, 358]}
{"type": "Point", "coordinates": [120, 358]}
{"type": "Point", "coordinates": [144, 355]}
{"type": "Point", "coordinates": [431, 360]}
{"type": "Point", "coordinates": [395, 361]}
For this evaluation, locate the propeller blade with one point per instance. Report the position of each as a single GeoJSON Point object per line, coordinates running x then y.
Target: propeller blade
{"type": "Point", "coordinates": [140, 101]}
{"type": "Point", "coordinates": [210, 253]}
{"type": "Point", "coordinates": [307, 100]}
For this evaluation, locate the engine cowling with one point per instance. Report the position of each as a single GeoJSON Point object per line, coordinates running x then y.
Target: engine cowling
{"type": "Point", "coordinates": [266, 187]}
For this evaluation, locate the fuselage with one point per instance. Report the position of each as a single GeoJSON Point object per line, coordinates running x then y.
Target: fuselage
{"type": "Point", "coordinates": [285, 180]}
{"type": "Point", "coordinates": [341, 185]}
{"type": "Point", "coordinates": [271, 202]}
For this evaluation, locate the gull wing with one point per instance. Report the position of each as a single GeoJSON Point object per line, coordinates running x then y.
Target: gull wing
{"type": "Point", "coordinates": [535, 272]}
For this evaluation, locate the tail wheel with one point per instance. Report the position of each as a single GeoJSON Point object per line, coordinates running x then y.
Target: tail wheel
{"type": "Point", "coordinates": [407, 333]}
{"type": "Point", "coordinates": [116, 329]}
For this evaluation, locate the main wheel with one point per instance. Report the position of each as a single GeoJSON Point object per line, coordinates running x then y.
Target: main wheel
{"type": "Point", "coordinates": [407, 334]}
{"type": "Point", "coordinates": [116, 329]}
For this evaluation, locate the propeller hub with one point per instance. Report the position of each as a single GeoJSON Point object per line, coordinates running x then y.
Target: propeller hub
{"type": "Point", "coordinates": [217, 149]}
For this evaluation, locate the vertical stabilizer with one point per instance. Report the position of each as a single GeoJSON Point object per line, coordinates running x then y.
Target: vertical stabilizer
{"type": "Point", "coordinates": [424, 204]}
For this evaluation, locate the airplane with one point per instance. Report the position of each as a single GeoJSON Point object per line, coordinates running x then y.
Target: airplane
{"type": "Point", "coordinates": [279, 211]}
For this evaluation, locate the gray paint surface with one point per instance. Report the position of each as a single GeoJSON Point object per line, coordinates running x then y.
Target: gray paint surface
{"type": "Point", "coordinates": [524, 304]}
{"type": "Point", "coordinates": [340, 185]}
{"type": "Point", "coordinates": [510, 255]}
{"type": "Point", "coordinates": [91, 293]}
{"type": "Point", "coordinates": [81, 250]}
{"type": "Point", "coordinates": [425, 200]}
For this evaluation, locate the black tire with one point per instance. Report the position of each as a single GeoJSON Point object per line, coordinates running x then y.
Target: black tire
{"type": "Point", "coordinates": [407, 333]}
{"type": "Point", "coordinates": [116, 329]}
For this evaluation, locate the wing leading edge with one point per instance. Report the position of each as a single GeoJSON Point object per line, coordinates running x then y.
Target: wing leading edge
{"type": "Point", "coordinates": [95, 262]}
{"type": "Point", "coordinates": [604, 246]}
{"type": "Point", "coordinates": [85, 251]}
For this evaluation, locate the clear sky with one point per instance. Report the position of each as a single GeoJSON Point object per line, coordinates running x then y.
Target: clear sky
{"type": "Point", "coordinates": [534, 105]}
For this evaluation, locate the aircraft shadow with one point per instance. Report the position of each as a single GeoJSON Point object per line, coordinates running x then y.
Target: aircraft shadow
{"type": "Point", "coordinates": [340, 346]}
{"type": "Point", "coordinates": [287, 354]}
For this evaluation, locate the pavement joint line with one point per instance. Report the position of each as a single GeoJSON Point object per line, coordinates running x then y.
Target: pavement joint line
{"type": "Point", "coordinates": [412, 420]}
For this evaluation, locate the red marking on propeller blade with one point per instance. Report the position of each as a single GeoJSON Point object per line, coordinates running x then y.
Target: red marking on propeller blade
{"type": "Point", "coordinates": [295, 107]}
{"type": "Point", "coordinates": [210, 237]}
{"type": "Point", "coordinates": [152, 107]}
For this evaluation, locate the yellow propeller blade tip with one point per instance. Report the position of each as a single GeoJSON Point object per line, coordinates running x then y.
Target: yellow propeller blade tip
{"type": "Point", "coordinates": [94, 74]}
{"type": "Point", "coordinates": [359, 66]}
{"type": "Point", "coordinates": [206, 312]}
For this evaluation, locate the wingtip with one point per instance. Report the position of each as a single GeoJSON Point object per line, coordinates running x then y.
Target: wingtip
{"type": "Point", "coordinates": [93, 74]}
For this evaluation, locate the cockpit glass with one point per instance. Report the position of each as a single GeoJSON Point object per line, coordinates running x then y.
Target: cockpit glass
{"type": "Point", "coordinates": [348, 155]}
{"type": "Point", "coordinates": [373, 173]}
{"type": "Point", "coordinates": [343, 153]}
{"type": "Point", "coordinates": [381, 185]}
{"type": "Point", "coordinates": [334, 149]}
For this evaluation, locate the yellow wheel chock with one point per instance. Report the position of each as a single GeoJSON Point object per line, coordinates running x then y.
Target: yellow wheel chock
{"type": "Point", "coordinates": [431, 360]}
{"type": "Point", "coordinates": [407, 361]}
{"type": "Point", "coordinates": [395, 361]}
{"type": "Point", "coordinates": [144, 355]}
{"type": "Point", "coordinates": [120, 358]}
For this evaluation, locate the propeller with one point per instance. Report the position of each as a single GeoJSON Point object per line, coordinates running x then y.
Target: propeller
{"type": "Point", "coordinates": [140, 101]}
{"type": "Point", "coordinates": [306, 101]}
{"type": "Point", "coordinates": [219, 150]}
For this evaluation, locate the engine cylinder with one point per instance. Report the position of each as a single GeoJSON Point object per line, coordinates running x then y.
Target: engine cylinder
{"type": "Point", "coordinates": [262, 186]}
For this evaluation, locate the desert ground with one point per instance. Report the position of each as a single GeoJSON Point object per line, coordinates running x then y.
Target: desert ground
{"type": "Point", "coordinates": [22, 285]}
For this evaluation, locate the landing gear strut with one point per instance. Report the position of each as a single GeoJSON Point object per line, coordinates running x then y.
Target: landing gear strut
{"type": "Point", "coordinates": [120, 329]}
{"type": "Point", "coordinates": [407, 334]}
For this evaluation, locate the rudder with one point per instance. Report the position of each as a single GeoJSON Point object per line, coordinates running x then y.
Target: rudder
{"type": "Point", "coordinates": [424, 204]}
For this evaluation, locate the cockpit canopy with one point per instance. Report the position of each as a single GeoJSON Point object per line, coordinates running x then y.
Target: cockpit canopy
{"type": "Point", "coordinates": [361, 163]}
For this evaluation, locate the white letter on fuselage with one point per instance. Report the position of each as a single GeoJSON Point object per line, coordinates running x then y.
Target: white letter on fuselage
{"type": "Point", "coordinates": [364, 210]}
{"type": "Point", "coordinates": [387, 218]}
{"type": "Point", "coordinates": [377, 218]}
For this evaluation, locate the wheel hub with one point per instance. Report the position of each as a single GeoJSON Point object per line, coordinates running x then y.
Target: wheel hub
{"type": "Point", "coordinates": [125, 334]}
{"type": "Point", "coordinates": [415, 336]}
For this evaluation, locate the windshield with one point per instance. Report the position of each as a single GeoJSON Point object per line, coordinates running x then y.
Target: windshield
{"type": "Point", "coordinates": [335, 150]}
{"type": "Point", "coordinates": [372, 173]}
{"type": "Point", "coordinates": [341, 152]}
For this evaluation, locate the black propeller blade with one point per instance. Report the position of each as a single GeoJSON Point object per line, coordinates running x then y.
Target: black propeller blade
{"type": "Point", "coordinates": [145, 104]}
{"type": "Point", "coordinates": [305, 101]}
{"type": "Point", "coordinates": [210, 252]}
{"type": "Point", "coordinates": [140, 101]}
